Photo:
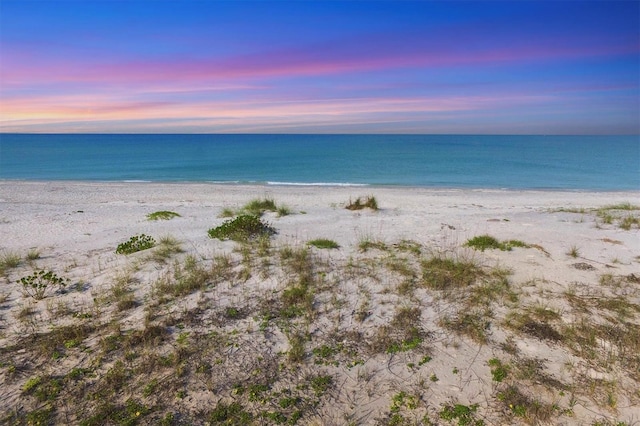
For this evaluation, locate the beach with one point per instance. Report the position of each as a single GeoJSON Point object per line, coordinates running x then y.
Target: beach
{"type": "Point", "coordinates": [404, 322]}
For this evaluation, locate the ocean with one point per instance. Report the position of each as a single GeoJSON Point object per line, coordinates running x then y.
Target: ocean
{"type": "Point", "coordinates": [608, 163]}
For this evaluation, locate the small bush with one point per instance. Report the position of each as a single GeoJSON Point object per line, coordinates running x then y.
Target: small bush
{"type": "Point", "coordinates": [369, 202]}
{"type": "Point", "coordinates": [323, 243]}
{"type": "Point", "coordinates": [135, 244]}
{"type": "Point", "coordinates": [162, 215]}
{"type": "Point", "coordinates": [37, 284]}
{"type": "Point", "coordinates": [484, 242]}
{"type": "Point", "coordinates": [242, 228]}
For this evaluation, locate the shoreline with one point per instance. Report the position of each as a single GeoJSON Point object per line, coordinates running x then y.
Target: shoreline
{"type": "Point", "coordinates": [322, 185]}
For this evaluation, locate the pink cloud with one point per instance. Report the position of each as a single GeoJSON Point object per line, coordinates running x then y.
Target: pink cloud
{"type": "Point", "coordinates": [372, 53]}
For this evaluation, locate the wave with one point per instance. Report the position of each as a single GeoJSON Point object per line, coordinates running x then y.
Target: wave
{"type": "Point", "coordinates": [315, 184]}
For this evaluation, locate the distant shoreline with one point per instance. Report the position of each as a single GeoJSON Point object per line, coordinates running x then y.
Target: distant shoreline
{"type": "Point", "coordinates": [319, 185]}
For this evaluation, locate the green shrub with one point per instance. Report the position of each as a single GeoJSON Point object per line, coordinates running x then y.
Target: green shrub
{"type": "Point", "coordinates": [242, 228]}
{"type": "Point", "coordinates": [484, 242]}
{"type": "Point", "coordinates": [37, 284]}
{"type": "Point", "coordinates": [162, 215]}
{"type": "Point", "coordinates": [323, 243]}
{"type": "Point", "coordinates": [135, 244]}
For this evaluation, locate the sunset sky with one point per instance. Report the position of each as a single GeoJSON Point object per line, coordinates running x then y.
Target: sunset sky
{"type": "Point", "coordinates": [507, 67]}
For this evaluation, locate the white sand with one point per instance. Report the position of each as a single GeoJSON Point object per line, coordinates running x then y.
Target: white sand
{"type": "Point", "coordinates": [76, 226]}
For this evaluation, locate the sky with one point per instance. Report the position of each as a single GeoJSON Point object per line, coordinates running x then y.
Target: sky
{"type": "Point", "coordinates": [419, 67]}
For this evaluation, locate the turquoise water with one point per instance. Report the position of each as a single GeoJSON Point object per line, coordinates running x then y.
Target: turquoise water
{"type": "Point", "coordinates": [450, 161]}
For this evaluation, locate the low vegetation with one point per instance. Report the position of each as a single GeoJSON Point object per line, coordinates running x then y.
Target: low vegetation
{"type": "Point", "coordinates": [257, 207]}
{"type": "Point", "coordinates": [41, 282]}
{"type": "Point", "coordinates": [484, 242]}
{"type": "Point", "coordinates": [242, 228]}
{"type": "Point", "coordinates": [135, 244]}
{"type": "Point", "coordinates": [323, 243]}
{"type": "Point", "coordinates": [360, 203]}
{"type": "Point", "coordinates": [162, 215]}
{"type": "Point", "coordinates": [625, 216]}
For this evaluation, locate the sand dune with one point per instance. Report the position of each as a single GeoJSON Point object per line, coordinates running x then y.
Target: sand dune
{"type": "Point", "coordinates": [404, 323]}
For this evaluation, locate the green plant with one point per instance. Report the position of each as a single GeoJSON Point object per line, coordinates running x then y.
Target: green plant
{"type": "Point", "coordinates": [323, 243]}
{"type": "Point", "coordinates": [369, 202]}
{"type": "Point", "coordinates": [484, 242]}
{"type": "Point", "coordinates": [320, 384]}
{"type": "Point", "coordinates": [162, 215]}
{"type": "Point", "coordinates": [44, 388]}
{"type": "Point", "coordinates": [37, 284]}
{"type": "Point", "coordinates": [402, 399]}
{"type": "Point", "coordinates": [464, 414]}
{"type": "Point", "coordinates": [499, 371]}
{"type": "Point", "coordinates": [241, 228]}
{"type": "Point", "coordinates": [150, 388]}
{"type": "Point", "coordinates": [425, 359]}
{"type": "Point", "coordinates": [40, 417]}
{"type": "Point", "coordinates": [522, 405]}
{"type": "Point", "coordinates": [31, 384]}
{"type": "Point", "coordinates": [402, 334]}
{"type": "Point", "coordinates": [232, 312]}
{"type": "Point", "coordinates": [135, 244]}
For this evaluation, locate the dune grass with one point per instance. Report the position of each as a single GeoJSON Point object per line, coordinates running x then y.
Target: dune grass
{"type": "Point", "coordinates": [360, 203]}
{"type": "Point", "coordinates": [162, 215]}
{"type": "Point", "coordinates": [323, 243]}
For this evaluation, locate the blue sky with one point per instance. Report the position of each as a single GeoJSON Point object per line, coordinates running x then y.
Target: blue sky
{"type": "Point", "coordinates": [506, 67]}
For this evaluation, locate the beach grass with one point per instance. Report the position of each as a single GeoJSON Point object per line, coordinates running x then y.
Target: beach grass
{"type": "Point", "coordinates": [162, 215]}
